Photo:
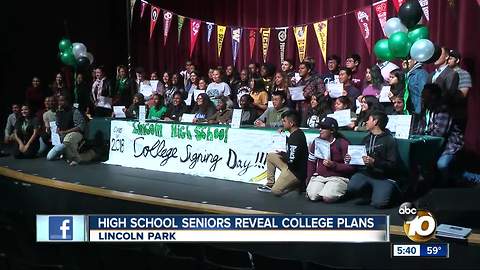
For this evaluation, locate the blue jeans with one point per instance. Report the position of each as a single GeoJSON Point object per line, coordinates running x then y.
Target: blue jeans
{"type": "Point", "coordinates": [443, 164]}
{"type": "Point", "coordinates": [383, 190]}
{"type": "Point", "coordinates": [472, 177]}
{"type": "Point", "coordinates": [56, 152]}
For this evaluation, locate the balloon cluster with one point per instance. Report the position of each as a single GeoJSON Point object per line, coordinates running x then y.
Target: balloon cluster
{"type": "Point", "coordinates": [406, 38]}
{"type": "Point", "coordinates": [75, 54]}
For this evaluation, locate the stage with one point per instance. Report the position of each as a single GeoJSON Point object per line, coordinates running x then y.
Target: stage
{"type": "Point", "coordinates": [56, 188]}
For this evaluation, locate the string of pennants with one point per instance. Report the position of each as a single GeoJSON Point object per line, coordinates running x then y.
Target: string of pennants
{"type": "Point", "coordinates": [363, 16]}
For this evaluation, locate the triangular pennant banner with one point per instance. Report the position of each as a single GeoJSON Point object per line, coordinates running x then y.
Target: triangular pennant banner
{"type": "Point", "coordinates": [321, 30]}
{"type": "Point", "coordinates": [265, 32]}
{"type": "Point", "coordinates": [181, 19]}
{"type": "Point", "coordinates": [301, 38]}
{"type": "Point", "coordinates": [220, 37]}
{"type": "Point", "coordinates": [424, 5]}
{"type": "Point", "coordinates": [236, 37]}
{"type": "Point", "coordinates": [398, 3]}
{"type": "Point", "coordinates": [142, 9]}
{"type": "Point", "coordinates": [251, 40]}
{"type": "Point", "coordinates": [153, 19]}
{"type": "Point", "coordinates": [364, 19]}
{"type": "Point", "coordinates": [194, 30]}
{"type": "Point", "coordinates": [167, 20]}
{"type": "Point", "coordinates": [282, 41]}
{"type": "Point", "coordinates": [210, 30]}
{"type": "Point", "coordinates": [381, 10]}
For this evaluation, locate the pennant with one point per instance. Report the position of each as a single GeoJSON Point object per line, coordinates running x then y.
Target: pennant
{"type": "Point", "coordinates": [381, 10]}
{"type": "Point", "coordinates": [321, 30]}
{"type": "Point", "coordinates": [194, 30]}
{"type": "Point", "coordinates": [153, 19]}
{"type": "Point", "coordinates": [220, 37]}
{"type": "Point", "coordinates": [142, 9]}
{"type": "Point", "coordinates": [210, 30]}
{"type": "Point", "coordinates": [251, 40]}
{"type": "Point", "coordinates": [364, 16]}
{"type": "Point", "coordinates": [167, 19]}
{"type": "Point", "coordinates": [424, 5]}
{"type": "Point", "coordinates": [265, 32]}
{"type": "Point", "coordinates": [181, 19]}
{"type": "Point", "coordinates": [236, 37]}
{"type": "Point", "coordinates": [398, 3]}
{"type": "Point", "coordinates": [301, 38]}
{"type": "Point", "coordinates": [282, 41]}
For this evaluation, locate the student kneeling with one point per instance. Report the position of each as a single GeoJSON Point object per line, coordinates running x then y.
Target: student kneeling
{"type": "Point", "coordinates": [328, 176]}
{"type": "Point", "coordinates": [292, 164]}
{"type": "Point", "coordinates": [380, 165]}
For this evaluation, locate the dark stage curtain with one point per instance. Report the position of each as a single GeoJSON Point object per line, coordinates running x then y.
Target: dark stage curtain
{"type": "Point", "coordinates": [453, 23]}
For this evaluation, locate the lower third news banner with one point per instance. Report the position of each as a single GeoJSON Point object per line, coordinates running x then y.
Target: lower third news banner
{"type": "Point", "coordinates": [228, 228]}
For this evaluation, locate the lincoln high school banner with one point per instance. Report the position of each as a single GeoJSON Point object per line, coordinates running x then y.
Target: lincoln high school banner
{"type": "Point", "coordinates": [201, 150]}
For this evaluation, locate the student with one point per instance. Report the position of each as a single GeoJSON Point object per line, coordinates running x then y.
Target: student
{"type": "Point", "coordinates": [134, 109]}
{"type": "Point", "coordinates": [319, 108]}
{"type": "Point", "coordinates": [204, 108]}
{"type": "Point", "coordinates": [333, 63]}
{"type": "Point", "coordinates": [176, 109]}
{"type": "Point", "coordinates": [344, 103]}
{"type": "Point", "coordinates": [217, 88]}
{"type": "Point", "coordinates": [81, 94]}
{"type": "Point", "coordinates": [267, 71]}
{"type": "Point", "coordinates": [417, 77]}
{"type": "Point", "coordinates": [313, 85]}
{"type": "Point", "coordinates": [287, 68]}
{"type": "Point", "coordinates": [368, 104]}
{"type": "Point", "coordinates": [223, 114]}
{"type": "Point", "coordinates": [48, 116]}
{"type": "Point", "coordinates": [373, 82]}
{"type": "Point", "coordinates": [272, 117]}
{"type": "Point", "coordinates": [249, 115]}
{"type": "Point", "coordinates": [349, 90]}
{"type": "Point", "coordinates": [101, 94]}
{"type": "Point", "coordinates": [292, 163]}
{"type": "Point", "coordinates": [380, 165]}
{"type": "Point", "coordinates": [158, 110]}
{"type": "Point", "coordinates": [280, 83]}
{"type": "Point", "coordinates": [27, 130]}
{"type": "Point", "coordinates": [352, 62]}
{"type": "Point", "coordinates": [124, 88]}
{"type": "Point", "coordinates": [397, 88]}
{"type": "Point", "coordinates": [10, 126]}
{"type": "Point", "coordinates": [398, 106]}
{"type": "Point", "coordinates": [34, 95]}
{"type": "Point", "coordinates": [259, 95]}
{"type": "Point", "coordinates": [327, 178]}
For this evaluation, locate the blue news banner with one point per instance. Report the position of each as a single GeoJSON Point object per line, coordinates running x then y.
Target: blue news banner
{"type": "Point", "coordinates": [213, 228]}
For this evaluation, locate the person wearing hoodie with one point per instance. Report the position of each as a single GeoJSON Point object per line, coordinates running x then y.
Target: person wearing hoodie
{"type": "Point", "coordinates": [380, 165]}
{"type": "Point", "coordinates": [416, 78]}
{"type": "Point", "coordinates": [272, 117]}
{"type": "Point", "coordinates": [327, 174]}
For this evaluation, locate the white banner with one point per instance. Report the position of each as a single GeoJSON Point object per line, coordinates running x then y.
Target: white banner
{"type": "Point", "coordinates": [201, 150]}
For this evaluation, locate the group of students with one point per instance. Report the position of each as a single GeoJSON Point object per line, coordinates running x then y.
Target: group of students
{"type": "Point", "coordinates": [434, 100]}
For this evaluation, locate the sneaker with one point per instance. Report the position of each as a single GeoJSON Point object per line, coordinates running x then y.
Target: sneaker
{"type": "Point", "coordinates": [73, 163]}
{"type": "Point", "coordinates": [264, 188]}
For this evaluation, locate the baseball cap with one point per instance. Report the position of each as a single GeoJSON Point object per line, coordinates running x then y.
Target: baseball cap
{"type": "Point", "coordinates": [329, 123]}
{"type": "Point", "coordinates": [455, 54]}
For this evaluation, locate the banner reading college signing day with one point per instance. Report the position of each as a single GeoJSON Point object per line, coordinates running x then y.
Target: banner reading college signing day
{"type": "Point", "coordinates": [201, 150]}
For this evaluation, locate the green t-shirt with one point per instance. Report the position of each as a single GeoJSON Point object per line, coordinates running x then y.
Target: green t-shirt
{"type": "Point", "coordinates": [155, 114]}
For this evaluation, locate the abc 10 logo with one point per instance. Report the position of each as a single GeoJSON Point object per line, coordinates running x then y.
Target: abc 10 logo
{"type": "Point", "coordinates": [419, 225]}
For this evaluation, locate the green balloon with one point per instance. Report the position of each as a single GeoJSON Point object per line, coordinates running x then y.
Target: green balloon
{"type": "Point", "coordinates": [418, 32]}
{"type": "Point", "coordinates": [68, 59]}
{"type": "Point", "coordinates": [382, 51]}
{"type": "Point", "coordinates": [399, 44]}
{"type": "Point", "coordinates": [65, 44]}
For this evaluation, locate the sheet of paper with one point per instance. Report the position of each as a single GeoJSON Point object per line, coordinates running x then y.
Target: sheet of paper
{"type": "Point", "coordinates": [118, 112]}
{"type": "Point", "coordinates": [343, 117]}
{"type": "Point", "coordinates": [358, 106]}
{"type": "Point", "coordinates": [142, 113]}
{"type": "Point", "coordinates": [336, 78]}
{"type": "Point", "coordinates": [384, 94]}
{"type": "Point", "coordinates": [400, 125]}
{"type": "Point", "coordinates": [357, 152]}
{"type": "Point", "coordinates": [335, 90]}
{"type": "Point", "coordinates": [146, 90]}
{"type": "Point", "coordinates": [296, 93]}
{"type": "Point", "coordinates": [297, 77]}
{"type": "Point", "coordinates": [104, 102]}
{"type": "Point", "coordinates": [322, 149]}
{"type": "Point", "coordinates": [270, 104]}
{"type": "Point", "coordinates": [197, 92]}
{"type": "Point", "coordinates": [188, 101]}
{"type": "Point", "coordinates": [154, 84]}
{"type": "Point", "coordinates": [279, 142]}
{"type": "Point", "coordinates": [76, 105]}
{"type": "Point", "coordinates": [54, 135]}
{"type": "Point", "coordinates": [188, 117]}
{"type": "Point", "coordinates": [236, 118]}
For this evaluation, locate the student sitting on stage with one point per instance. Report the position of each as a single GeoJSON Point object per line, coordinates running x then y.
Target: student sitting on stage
{"type": "Point", "coordinates": [158, 110]}
{"type": "Point", "coordinates": [398, 106]}
{"type": "Point", "coordinates": [292, 163]}
{"type": "Point", "coordinates": [133, 110]}
{"type": "Point", "coordinates": [344, 103]}
{"type": "Point", "coordinates": [27, 131]}
{"type": "Point", "coordinates": [319, 108]}
{"type": "Point", "coordinates": [223, 114]}
{"type": "Point", "coordinates": [10, 126]}
{"type": "Point", "coordinates": [176, 109]}
{"type": "Point", "coordinates": [327, 178]}
{"type": "Point", "coordinates": [203, 109]}
{"type": "Point", "coordinates": [380, 165]}
{"type": "Point", "coordinates": [259, 95]}
{"type": "Point", "coordinates": [272, 117]}
{"type": "Point", "coordinates": [249, 114]}
{"type": "Point", "coordinates": [368, 104]}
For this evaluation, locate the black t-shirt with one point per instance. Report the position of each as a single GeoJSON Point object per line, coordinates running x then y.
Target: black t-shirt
{"type": "Point", "coordinates": [25, 128]}
{"type": "Point", "coordinates": [297, 154]}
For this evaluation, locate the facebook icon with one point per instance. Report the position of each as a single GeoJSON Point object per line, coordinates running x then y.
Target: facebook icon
{"type": "Point", "coordinates": [60, 228]}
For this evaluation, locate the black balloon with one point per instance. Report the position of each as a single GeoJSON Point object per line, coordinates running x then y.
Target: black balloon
{"type": "Point", "coordinates": [436, 54]}
{"type": "Point", "coordinates": [410, 13]}
{"type": "Point", "coordinates": [83, 62]}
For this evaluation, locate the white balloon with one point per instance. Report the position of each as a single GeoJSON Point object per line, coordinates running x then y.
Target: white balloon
{"type": "Point", "coordinates": [78, 49]}
{"type": "Point", "coordinates": [90, 57]}
{"type": "Point", "coordinates": [394, 25]}
{"type": "Point", "coordinates": [422, 50]}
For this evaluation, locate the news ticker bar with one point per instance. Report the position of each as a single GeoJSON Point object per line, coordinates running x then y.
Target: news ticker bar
{"type": "Point", "coordinates": [440, 250]}
{"type": "Point", "coordinates": [212, 228]}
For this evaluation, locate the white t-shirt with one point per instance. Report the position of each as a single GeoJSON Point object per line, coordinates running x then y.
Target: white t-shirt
{"type": "Point", "coordinates": [218, 89]}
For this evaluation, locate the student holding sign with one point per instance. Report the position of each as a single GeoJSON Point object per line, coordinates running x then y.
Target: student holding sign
{"type": "Point", "coordinates": [327, 173]}
{"type": "Point", "coordinates": [380, 165]}
{"type": "Point", "coordinates": [368, 104]}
